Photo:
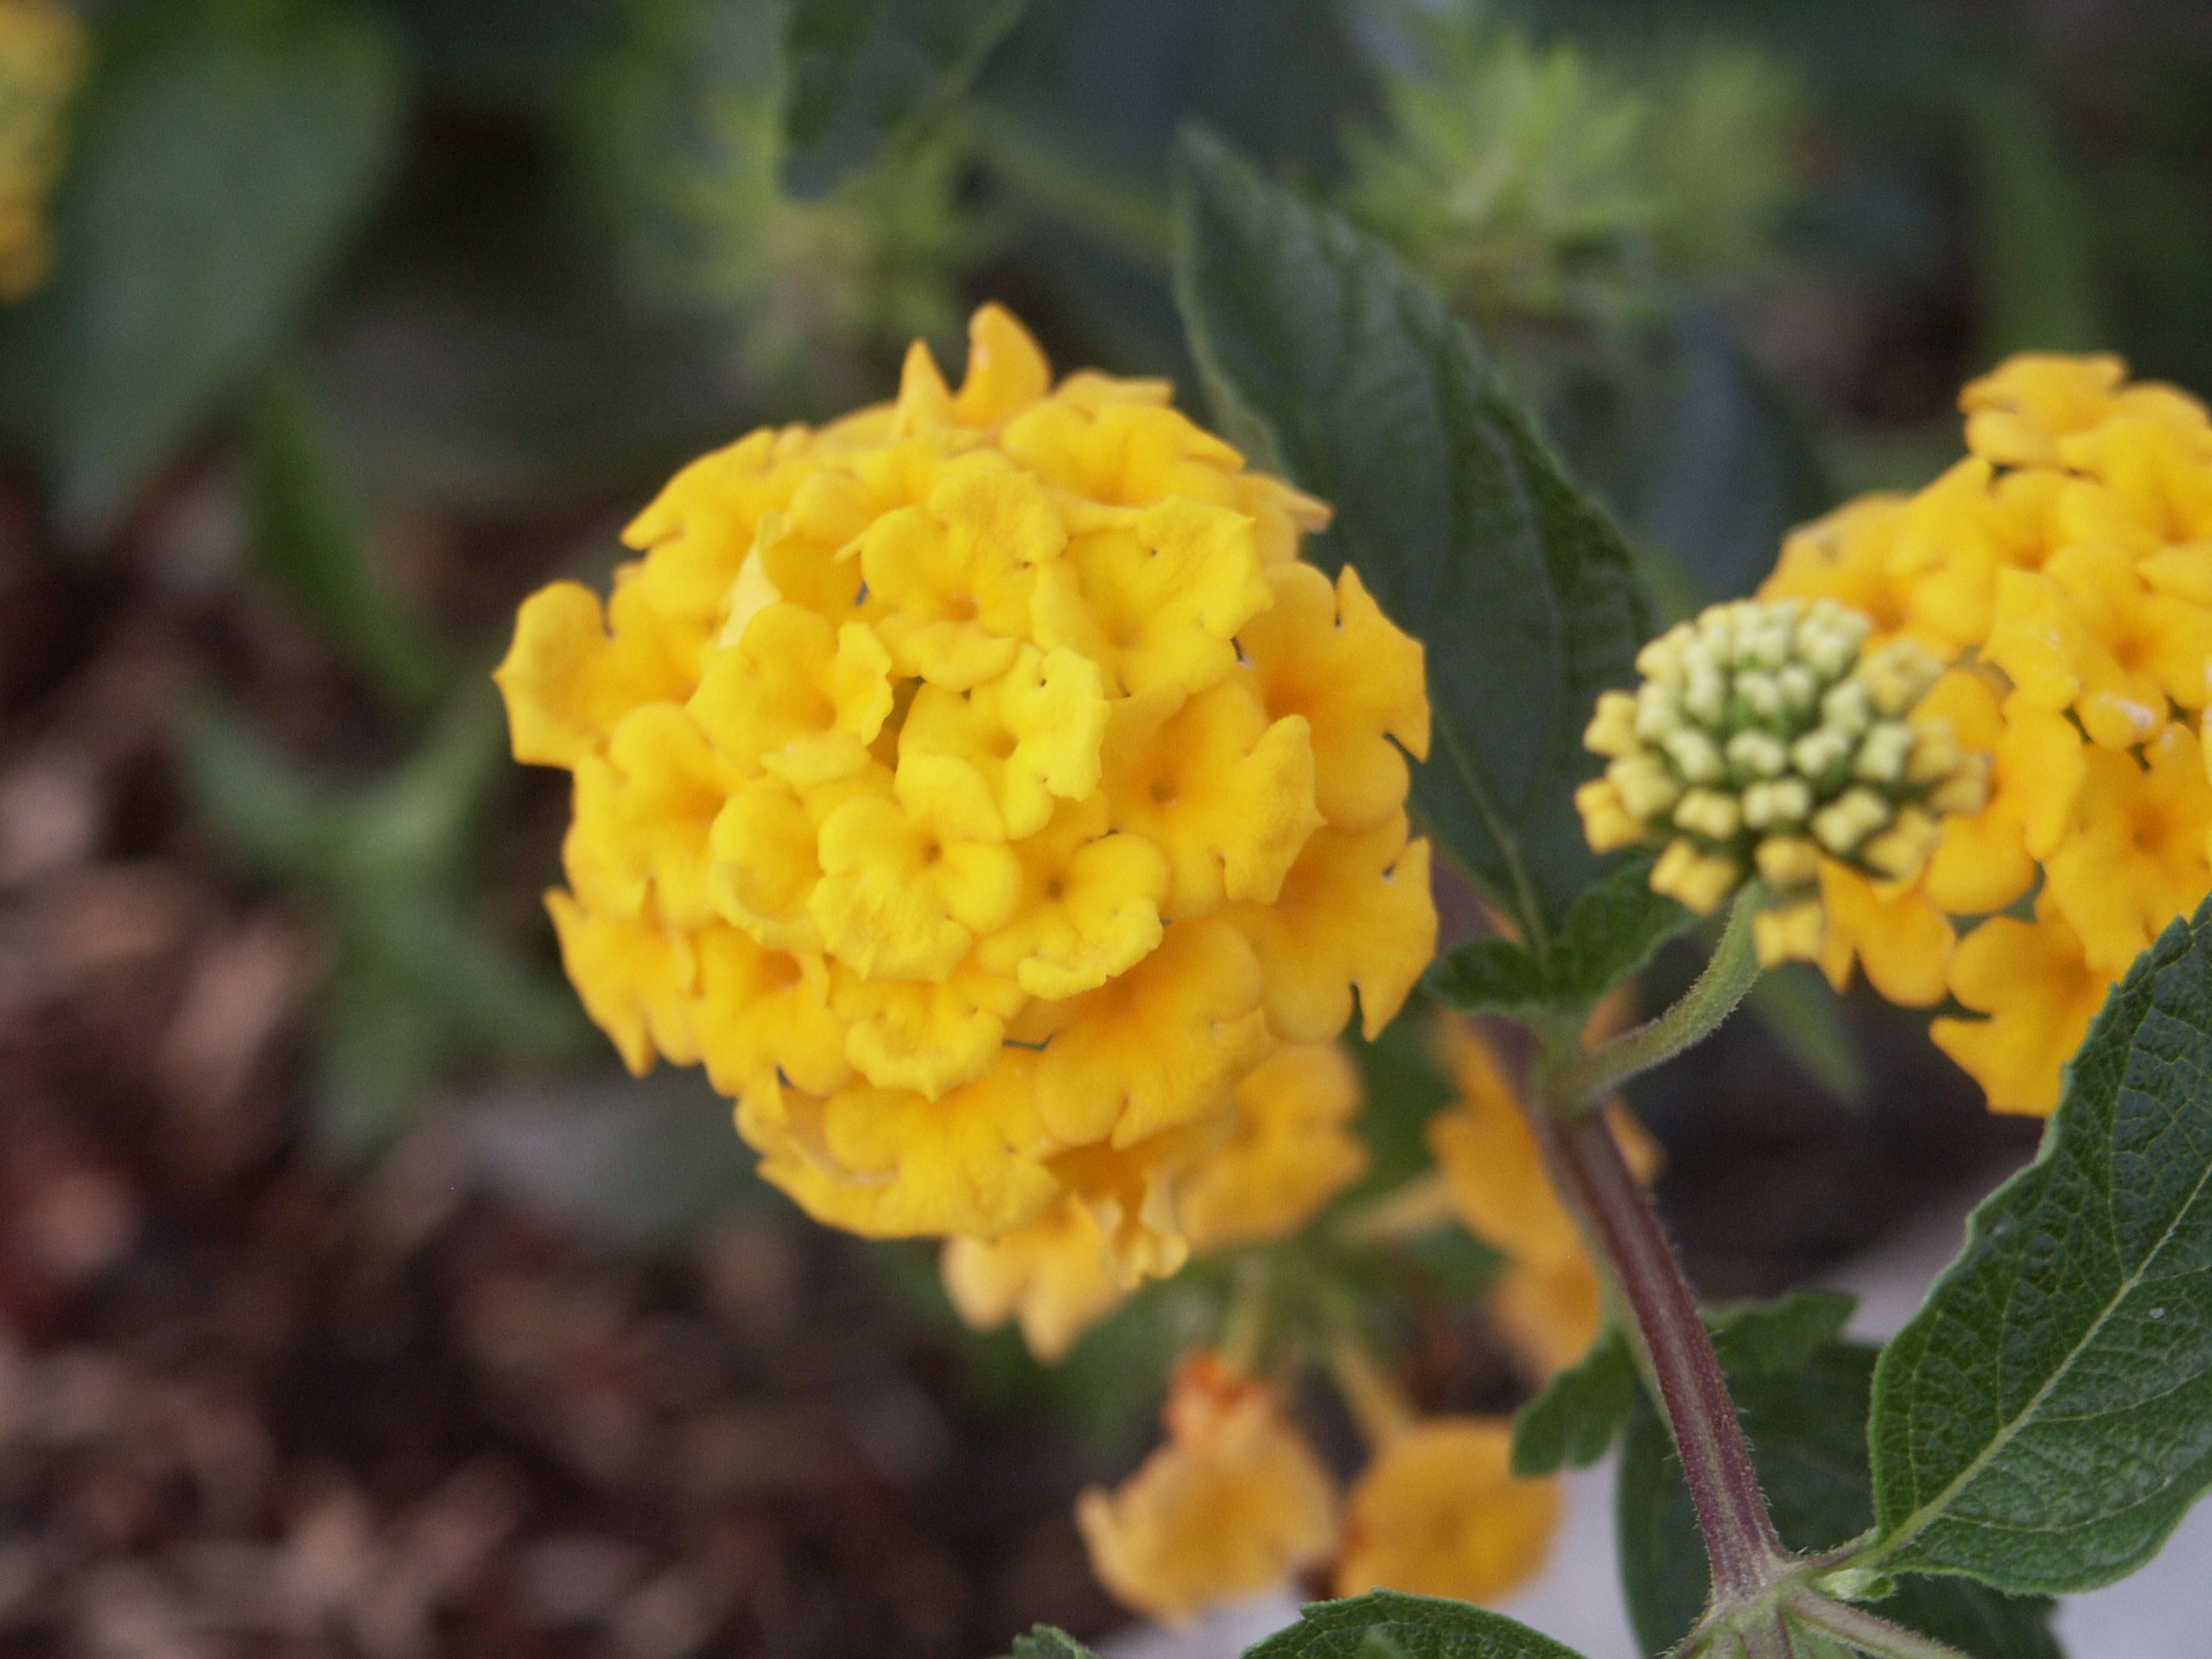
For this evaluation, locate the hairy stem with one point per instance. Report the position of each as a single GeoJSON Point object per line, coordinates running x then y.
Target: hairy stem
{"type": "Point", "coordinates": [1868, 1632]}
{"type": "Point", "coordinates": [1732, 1513]}
{"type": "Point", "coordinates": [1580, 1084]}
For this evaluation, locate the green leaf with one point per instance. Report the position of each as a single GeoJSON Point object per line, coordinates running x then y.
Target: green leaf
{"type": "Point", "coordinates": [418, 984]}
{"type": "Point", "coordinates": [309, 538]}
{"type": "Point", "coordinates": [2035, 229]}
{"type": "Point", "coordinates": [2045, 1420]}
{"type": "Point", "coordinates": [1573, 1422]}
{"type": "Point", "coordinates": [1762, 1338]}
{"type": "Point", "coordinates": [222, 158]}
{"type": "Point", "coordinates": [859, 73]}
{"type": "Point", "coordinates": [1611, 932]}
{"type": "Point", "coordinates": [1417, 1627]}
{"type": "Point", "coordinates": [1046, 1642]}
{"type": "Point", "coordinates": [1329, 359]}
{"type": "Point", "coordinates": [268, 815]}
{"type": "Point", "coordinates": [1803, 1421]}
{"type": "Point", "coordinates": [1799, 1011]}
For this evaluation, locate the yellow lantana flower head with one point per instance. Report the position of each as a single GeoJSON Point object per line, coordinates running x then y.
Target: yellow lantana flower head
{"type": "Point", "coordinates": [980, 789]}
{"type": "Point", "coordinates": [2061, 572]}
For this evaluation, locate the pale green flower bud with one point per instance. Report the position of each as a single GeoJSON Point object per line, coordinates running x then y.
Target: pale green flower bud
{"type": "Point", "coordinates": [1765, 738]}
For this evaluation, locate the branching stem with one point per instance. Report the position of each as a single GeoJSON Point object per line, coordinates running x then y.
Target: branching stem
{"type": "Point", "coordinates": [1581, 1084]}
{"type": "Point", "coordinates": [1868, 1632]}
{"type": "Point", "coordinates": [1673, 1348]}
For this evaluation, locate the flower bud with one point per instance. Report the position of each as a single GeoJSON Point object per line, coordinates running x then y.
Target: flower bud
{"type": "Point", "coordinates": [1765, 738]}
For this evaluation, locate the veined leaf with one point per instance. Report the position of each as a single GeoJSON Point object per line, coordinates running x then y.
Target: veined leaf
{"type": "Point", "coordinates": [1573, 1421]}
{"type": "Point", "coordinates": [222, 156]}
{"type": "Point", "coordinates": [1388, 1624]}
{"type": "Point", "coordinates": [860, 73]}
{"type": "Point", "coordinates": [2045, 1420]}
{"type": "Point", "coordinates": [1611, 932]}
{"type": "Point", "coordinates": [1331, 361]}
{"type": "Point", "coordinates": [1803, 1423]}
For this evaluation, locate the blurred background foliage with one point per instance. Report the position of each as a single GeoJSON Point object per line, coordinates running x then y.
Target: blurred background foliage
{"type": "Point", "coordinates": [364, 317]}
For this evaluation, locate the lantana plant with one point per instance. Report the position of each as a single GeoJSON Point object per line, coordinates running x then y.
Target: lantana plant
{"type": "Point", "coordinates": [1011, 794]}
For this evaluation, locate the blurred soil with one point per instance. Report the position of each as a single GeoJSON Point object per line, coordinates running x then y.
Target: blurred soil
{"type": "Point", "coordinates": [246, 1410]}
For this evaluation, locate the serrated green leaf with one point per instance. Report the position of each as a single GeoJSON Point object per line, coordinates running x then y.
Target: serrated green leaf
{"type": "Point", "coordinates": [221, 158]}
{"type": "Point", "coordinates": [309, 537]}
{"type": "Point", "coordinates": [860, 73]}
{"type": "Point", "coordinates": [1612, 929]}
{"type": "Point", "coordinates": [1573, 1422]}
{"type": "Point", "coordinates": [1803, 1422]}
{"type": "Point", "coordinates": [1329, 359]}
{"type": "Point", "coordinates": [2045, 1420]}
{"type": "Point", "coordinates": [1493, 974]}
{"type": "Point", "coordinates": [1420, 1627]}
{"type": "Point", "coordinates": [1611, 932]}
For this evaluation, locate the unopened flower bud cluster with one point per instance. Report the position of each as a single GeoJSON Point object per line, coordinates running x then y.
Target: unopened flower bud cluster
{"type": "Point", "coordinates": [1765, 738]}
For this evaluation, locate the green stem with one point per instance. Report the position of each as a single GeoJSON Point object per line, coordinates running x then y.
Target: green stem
{"type": "Point", "coordinates": [1580, 1084]}
{"type": "Point", "coordinates": [1868, 1632]}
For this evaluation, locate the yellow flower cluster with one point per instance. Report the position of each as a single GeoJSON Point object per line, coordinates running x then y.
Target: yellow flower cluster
{"type": "Point", "coordinates": [42, 54]}
{"type": "Point", "coordinates": [1236, 1501]}
{"type": "Point", "coordinates": [981, 789]}
{"type": "Point", "coordinates": [1289, 1149]}
{"type": "Point", "coordinates": [1764, 738]}
{"type": "Point", "coordinates": [2063, 570]}
{"type": "Point", "coordinates": [1546, 1299]}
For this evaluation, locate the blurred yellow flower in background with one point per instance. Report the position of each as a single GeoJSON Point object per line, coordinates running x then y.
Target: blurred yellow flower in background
{"type": "Point", "coordinates": [2064, 571]}
{"type": "Point", "coordinates": [979, 788]}
{"type": "Point", "coordinates": [1439, 1512]}
{"type": "Point", "coordinates": [43, 55]}
{"type": "Point", "coordinates": [1232, 1505]}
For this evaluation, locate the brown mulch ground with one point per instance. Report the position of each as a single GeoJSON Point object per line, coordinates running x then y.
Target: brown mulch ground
{"type": "Point", "coordinates": [247, 1409]}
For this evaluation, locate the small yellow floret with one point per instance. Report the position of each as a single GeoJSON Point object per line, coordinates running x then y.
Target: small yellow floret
{"type": "Point", "coordinates": [1441, 1513]}
{"type": "Point", "coordinates": [1233, 1504]}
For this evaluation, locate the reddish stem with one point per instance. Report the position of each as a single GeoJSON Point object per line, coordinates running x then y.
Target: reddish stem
{"type": "Point", "coordinates": [1732, 1512]}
